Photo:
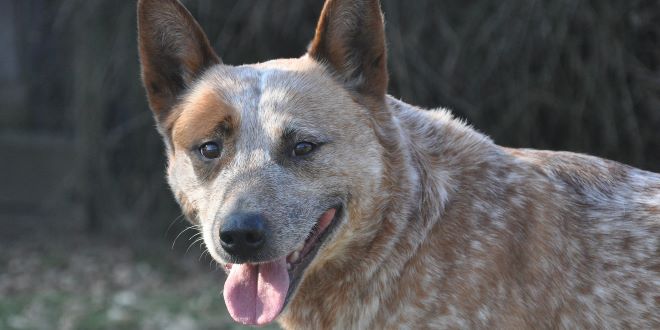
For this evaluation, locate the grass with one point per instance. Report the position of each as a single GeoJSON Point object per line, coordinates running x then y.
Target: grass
{"type": "Point", "coordinates": [124, 309]}
{"type": "Point", "coordinates": [98, 283]}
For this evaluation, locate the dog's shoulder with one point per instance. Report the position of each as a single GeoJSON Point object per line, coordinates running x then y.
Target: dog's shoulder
{"type": "Point", "coordinates": [596, 180]}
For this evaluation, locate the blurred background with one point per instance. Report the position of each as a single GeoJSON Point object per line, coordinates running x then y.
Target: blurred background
{"type": "Point", "coordinates": [88, 229]}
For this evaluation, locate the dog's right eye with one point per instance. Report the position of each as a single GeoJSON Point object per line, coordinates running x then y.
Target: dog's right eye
{"type": "Point", "coordinates": [303, 149]}
{"type": "Point", "coordinates": [210, 150]}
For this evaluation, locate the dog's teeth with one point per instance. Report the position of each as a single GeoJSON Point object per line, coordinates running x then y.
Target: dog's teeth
{"type": "Point", "coordinates": [294, 256]}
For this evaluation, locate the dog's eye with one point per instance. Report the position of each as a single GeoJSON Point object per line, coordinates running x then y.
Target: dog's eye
{"type": "Point", "coordinates": [303, 148]}
{"type": "Point", "coordinates": [210, 150]}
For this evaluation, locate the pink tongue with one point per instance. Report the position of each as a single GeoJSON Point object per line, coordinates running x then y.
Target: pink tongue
{"type": "Point", "coordinates": [255, 294]}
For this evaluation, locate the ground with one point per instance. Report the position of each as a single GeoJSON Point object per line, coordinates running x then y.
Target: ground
{"type": "Point", "coordinates": [97, 282]}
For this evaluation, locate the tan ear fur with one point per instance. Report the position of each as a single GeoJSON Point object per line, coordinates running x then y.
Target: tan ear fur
{"type": "Point", "coordinates": [350, 39]}
{"type": "Point", "coordinates": [173, 52]}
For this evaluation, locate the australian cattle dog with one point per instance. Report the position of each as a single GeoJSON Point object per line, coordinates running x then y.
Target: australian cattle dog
{"type": "Point", "coordinates": [333, 205]}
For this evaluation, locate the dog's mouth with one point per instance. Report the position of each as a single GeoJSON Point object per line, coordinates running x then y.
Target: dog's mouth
{"type": "Point", "coordinates": [255, 294]}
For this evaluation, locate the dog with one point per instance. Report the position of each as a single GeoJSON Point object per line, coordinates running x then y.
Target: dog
{"type": "Point", "coordinates": [333, 205]}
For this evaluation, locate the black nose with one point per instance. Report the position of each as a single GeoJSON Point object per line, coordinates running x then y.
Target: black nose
{"type": "Point", "coordinates": [243, 235]}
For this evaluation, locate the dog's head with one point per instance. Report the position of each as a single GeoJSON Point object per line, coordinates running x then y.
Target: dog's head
{"type": "Point", "coordinates": [275, 161]}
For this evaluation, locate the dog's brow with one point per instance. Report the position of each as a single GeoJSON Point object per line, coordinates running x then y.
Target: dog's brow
{"type": "Point", "coordinates": [292, 132]}
{"type": "Point", "coordinates": [289, 133]}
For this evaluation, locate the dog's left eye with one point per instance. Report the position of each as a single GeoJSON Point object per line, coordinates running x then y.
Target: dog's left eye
{"type": "Point", "coordinates": [303, 148]}
{"type": "Point", "coordinates": [210, 150]}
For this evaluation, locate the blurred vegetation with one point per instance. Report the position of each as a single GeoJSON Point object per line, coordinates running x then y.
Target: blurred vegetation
{"type": "Point", "coordinates": [108, 286]}
{"type": "Point", "coordinates": [576, 75]}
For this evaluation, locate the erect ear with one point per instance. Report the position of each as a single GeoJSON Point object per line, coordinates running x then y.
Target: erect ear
{"type": "Point", "coordinates": [173, 51]}
{"type": "Point", "coordinates": [350, 38]}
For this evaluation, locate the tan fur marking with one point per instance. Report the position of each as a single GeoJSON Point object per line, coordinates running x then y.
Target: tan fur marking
{"type": "Point", "coordinates": [200, 117]}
